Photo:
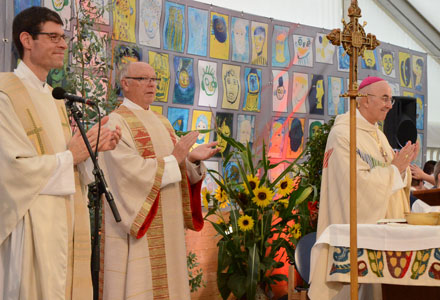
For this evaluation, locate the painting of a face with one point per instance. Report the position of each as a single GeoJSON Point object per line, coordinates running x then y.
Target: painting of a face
{"type": "Point", "coordinates": [279, 47]}
{"type": "Point", "coordinates": [245, 132]}
{"type": "Point", "coordinates": [254, 83]}
{"type": "Point", "coordinates": [209, 82]}
{"type": "Point", "coordinates": [232, 86]}
{"type": "Point", "coordinates": [259, 37]}
{"type": "Point", "coordinates": [319, 92]}
{"type": "Point", "coordinates": [225, 130]}
{"type": "Point", "coordinates": [388, 63]}
{"type": "Point", "coordinates": [184, 78]}
{"type": "Point", "coordinates": [336, 89]}
{"type": "Point", "coordinates": [239, 32]}
{"type": "Point", "coordinates": [369, 58]}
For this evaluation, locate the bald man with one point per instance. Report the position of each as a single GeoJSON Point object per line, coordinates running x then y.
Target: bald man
{"type": "Point", "coordinates": [383, 176]}
{"type": "Point", "coordinates": [156, 183]}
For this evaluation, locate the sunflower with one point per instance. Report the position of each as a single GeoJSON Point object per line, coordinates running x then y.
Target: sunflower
{"type": "Point", "coordinates": [253, 183]}
{"type": "Point", "coordinates": [205, 197]}
{"type": "Point", "coordinates": [285, 186]}
{"type": "Point", "coordinates": [221, 195]}
{"type": "Point", "coordinates": [296, 231]}
{"type": "Point", "coordinates": [263, 196]}
{"type": "Point", "coordinates": [245, 223]}
{"type": "Point", "coordinates": [224, 203]}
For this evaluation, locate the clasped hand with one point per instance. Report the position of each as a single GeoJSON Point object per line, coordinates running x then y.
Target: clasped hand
{"type": "Point", "coordinates": [405, 156]}
{"type": "Point", "coordinates": [202, 152]}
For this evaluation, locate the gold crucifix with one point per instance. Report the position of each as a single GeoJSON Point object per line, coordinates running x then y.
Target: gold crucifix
{"type": "Point", "coordinates": [355, 41]}
{"type": "Point", "coordinates": [35, 131]}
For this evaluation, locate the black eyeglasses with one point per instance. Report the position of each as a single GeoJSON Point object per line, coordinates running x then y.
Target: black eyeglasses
{"type": "Point", "coordinates": [145, 79]}
{"type": "Point", "coordinates": [385, 99]}
{"type": "Point", "coordinates": [54, 37]}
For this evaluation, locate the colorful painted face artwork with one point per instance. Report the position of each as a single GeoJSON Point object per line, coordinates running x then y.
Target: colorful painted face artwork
{"type": "Point", "coordinates": [370, 61]}
{"type": "Point", "coordinates": [63, 8]}
{"type": "Point", "coordinates": [93, 8]}
{"type": "Point", "coordinates": [336, 104]}
{"type": "Point", "coordinates": [231, 171]}
{"type": "Point", "coordinates": [149, 22]}
{"type": "Point", "coordinates": [156, 108]}
{"type": "Point", "coordinates": [198, 31]}
{"type": "Point", "coordinates": [160, 63]}
{"type": "Point", "coordinates": [420, 112]}
{"type": "Point", "coordinates": [20, 5]}
{"type": "Point", "coordinates": [246, 129]}
{"type": "Point", "coordinates": [124, 20]}
{"type": "Point", "coordinates": [208, 182]}
{"type": "Point", "coordinates": [178, 118]}
{"type": "Point", "coordinates": [314, 125]}
{"type": "Point", "coordinates": [219, 37]}
{"type": "Point", "coordinates": [295, 138]}
{"type": "Point", "coordinates": [259, 43]}
{"type": "Point", "coordinates": [299, 92]}
{"type": "Point", "coordinates": [208, 92]}
{"type": "Point", "coordinates": [125, 54]}
{"type": "Point", "coordinates": [343, 60]}
{"type": "Point", "coordinates": [280, 46]}
{"type": "Point", "coordinates": [201, 120]}
{"type": "Point", "coordinates": [395, 88]}
{"type": "Point", "coordinates": [240, 40]}
{"type": "Point", "coordinates": [252, 100]}
{"type": "Point", "coordinates": [231, 86]}
{"type": "Point", "coordinates": [324, 49]}
{"type": "Point", "coordinates": [418, 63]}
{"type": "Point", "coordinates": [303, 50]}
{"type": "Point", "coordinates": [280, 89]}
{"type": "Point", "coordinates": [387, 58]}
{"type": "Point", "coordinates": [184, 86]}
{"type": "Point", "coordinates": [277, 132]}
{"type": "Point", "coordinates": [224, 122]}
{"type": "Point", "coordinates": [317, 95]}
{"type": "Point", "coordinates": [405, 69]}
{"type": "Point", "coordinates": [174, 27]}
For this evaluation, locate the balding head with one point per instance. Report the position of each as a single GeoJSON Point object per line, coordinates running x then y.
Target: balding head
{"type": "Point", "coordinates": [375, 106]}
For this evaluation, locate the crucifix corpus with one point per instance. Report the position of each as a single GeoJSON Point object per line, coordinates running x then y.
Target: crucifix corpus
{"type": "Point", "coordinates": [354, 40]}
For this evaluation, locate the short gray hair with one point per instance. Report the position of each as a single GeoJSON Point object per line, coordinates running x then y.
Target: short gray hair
{"type": "Point", "coordinates": [123, 71]}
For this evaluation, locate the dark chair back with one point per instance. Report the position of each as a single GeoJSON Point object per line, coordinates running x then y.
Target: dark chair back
{"type": "Point", "coordinates": [302, 255]}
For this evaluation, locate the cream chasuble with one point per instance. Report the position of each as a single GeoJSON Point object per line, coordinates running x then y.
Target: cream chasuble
{"type": "Point", "coordinates": [55, 258]}
{"type": "Point", "coordinates": [377, 195]}
{"type": "Point", "coordinates": [144, 256]}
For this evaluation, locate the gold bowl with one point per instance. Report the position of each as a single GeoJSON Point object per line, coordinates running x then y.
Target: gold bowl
{"type": "Point", "coordinates": [431, 218]}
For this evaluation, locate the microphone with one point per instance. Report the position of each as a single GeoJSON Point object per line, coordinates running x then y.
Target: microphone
{"type": "Point", "coordinates": [59, 93]}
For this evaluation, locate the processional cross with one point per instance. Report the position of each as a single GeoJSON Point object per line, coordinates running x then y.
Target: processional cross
{"type": "Point", "coordinates": [354, 40]}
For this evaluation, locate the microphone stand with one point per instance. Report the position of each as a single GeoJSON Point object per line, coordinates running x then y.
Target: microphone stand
{"type": "Point", "coordinates": [101, 188]}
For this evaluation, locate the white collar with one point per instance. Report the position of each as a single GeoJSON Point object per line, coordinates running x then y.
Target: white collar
{"type": "Point", "coordinates": [26, 75]}
{"type": "Point", "coordinates": [130, 104]}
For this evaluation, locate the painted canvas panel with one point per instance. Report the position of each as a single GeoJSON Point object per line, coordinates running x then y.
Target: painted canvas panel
{"type": "Point", "coordinates": [95, 9]}
{"type": "Point", "coordinates": [197, 31]}
{"type": "Point", "coordinates": [280, 88]}
{"type": "Point", "coordinates": [303, 50]}
{"type": "Point", "coordinates": [417, 69]}
{"type": "Point", "coordinates": [280, 46]}
{"type": "Point", "coordinates": [174, 27]}
{"type": "Point", "coordinates": [317, 95]}
{"type": "Point", "coordinates": [124, 54]}
{"type": "Point", "coordinates": [20, 5]}
{"type": "Point", "coordinates": [324, 49]}
{"type": "Point", "coordinates": [63, 8]}
{"type": "Point", "coordinates": [219, 36]}
{"type": "Point", "coordinates": [149, 22]}
{"type": "Point", "coordinates": [208, 92]}
{"type": "Point", "coordinates": [240, 40]}
{"type": "Point", "coordinates": [405, 70]}
{"type": "Point", "coordinates": [275, 172]}
{"type": "Point", "coordinates": [224, 123]}
{"type": "Point", "coordinates": [294, 139]}
{"type": "Point", "coordinates": [184, 86]}
{"type": "Point", "coordinates": [395, 88]}
{"type": "Point", "coordinates": [246, 129]}
{"type": "Point", "coordinates": [336, 104]}
{"type": "Point", "coordinates": [231, 86]}
{"type": "Point", "coordinates": [300, 90]}
{"type": "Point", "coordinates": [160, 63]}
{"type": "Point", "coordinates": [388, 63]}
{"type": "Point", "coordinates": [201, 120]}
{"type": "Point", "coordinates": [124, 20]}
{"type": "Point", "coordinates": [313, 126]}
{"type": "Point", "coordinates": [252, 98]}
{"type": "Point", "coordinates": [208, 182]}
{"type": "Point", "coordinates": [343, 60]}
{"type": "Point", "coordinates": [231, 171]}
{"type": "Point", "coordinates": [277, 132]}
{"type": "Point", "coordinates": [157, 108]}
{"type": "Point", "coordinates": [178, 118]}
{"type": "Point", "coordinates": [420, 112]}
{"type": "Point", "coordinates": [259, 34]}
{"type": "Point", "coordinates": [370, 61]}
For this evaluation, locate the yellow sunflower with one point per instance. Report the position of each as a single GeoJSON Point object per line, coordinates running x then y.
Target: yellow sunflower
{"type": "Point", "coordinates": [285, 186]}
{"type": "Point", "coordinates": [205, 197]}
{"type": "Point", "coordinates": [224, 203]}
{"type": "Point", "coordinates": [220, 194]}
{"type": "Point", "coordinates": [296, 231]}
{"type": "Point", "coordinates": [253, 182]}
{"type": "Point", "coordinates": [263, 196]}
{"type": "Point", "coordinates": [245, 223]}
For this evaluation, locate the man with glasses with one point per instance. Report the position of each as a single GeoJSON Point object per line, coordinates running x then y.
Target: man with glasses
{"type": "Point", "coordinates": [383, 175]}
{"type": "Point", "coordinates": [44, 220]}
{"type": "Point", "coordinates": [156, 182]}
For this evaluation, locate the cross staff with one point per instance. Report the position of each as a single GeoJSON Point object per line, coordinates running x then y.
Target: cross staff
{"type": "Point", "coordinates": [355, 41]}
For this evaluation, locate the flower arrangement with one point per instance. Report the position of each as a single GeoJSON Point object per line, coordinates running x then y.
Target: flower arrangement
{"type": "Point", "coordinates": [256, 217]}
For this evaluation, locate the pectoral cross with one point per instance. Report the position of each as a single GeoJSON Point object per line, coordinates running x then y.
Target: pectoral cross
{"type": "Point", "coordinates": [355, 41]}
{"type": "Point", "coordinates": [36, 131]}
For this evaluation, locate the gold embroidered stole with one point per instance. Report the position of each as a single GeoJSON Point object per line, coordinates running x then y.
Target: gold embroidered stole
{"type": "Point", "coordinates": [27, 114]}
